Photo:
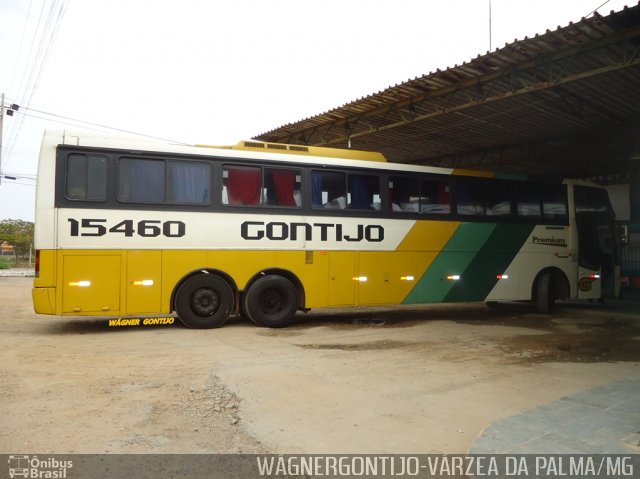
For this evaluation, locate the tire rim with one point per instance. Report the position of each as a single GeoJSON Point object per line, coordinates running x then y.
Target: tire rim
{"type": "Point", "coordinates": [271, 302]}
{"type": "Point", "coordinates": [204, 302]}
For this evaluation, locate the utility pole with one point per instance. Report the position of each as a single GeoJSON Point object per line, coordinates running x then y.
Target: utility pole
{"type": "Point", "coordinates": [1, 131]}
{"type": "Point", "coordinates": [9, 112]}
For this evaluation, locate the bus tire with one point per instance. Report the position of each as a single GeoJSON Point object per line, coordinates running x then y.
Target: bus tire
{"type": "Point", "coordinates": [271, 301]}
{"type": "Point", "coordinates": [204, 301]}
{"type": "Point", "coordinates": [545, 294]}
{"type": "Point", "coordinates": [243, 311]}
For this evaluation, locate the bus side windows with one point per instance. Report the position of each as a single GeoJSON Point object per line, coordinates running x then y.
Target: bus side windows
{"type": "Point", "coordinates": [541, 201]}
{"type": "Point", "coordinates": [404, 194]}
{"type": "Point", "coordinates": [429, 196]}
{"type": "Point", "coordinates": [141, 181]}
{"type": "Point", "coordinates": [282, 187]}
{"type": "Point", "coordinates": [478, 198]}
{"type": "Point", "coordinates": [86, 177]}
{"type": "Point", "coordinates": [328, 190]}
{"type": "Point", "coordinates": [470, 198]}
{"type": "Point", "coordinates": [364, 192]}
{"type": "Point", "coordinates": [253, 186]}
{"type": "Point", "coordinates": [159, 181]}
{"type": "Point", "coordinates": [241, 185]}
{"type": "Point", "coordinates": [528, 201]}
{"type": "Point", "coordinates": [497, 200]}
{"type": "Point", "coordinates": [435, 197]}
{"type": "Point", "coordinates": [188, 182]}
{"type": "Point", "coordinates": [554, 202]}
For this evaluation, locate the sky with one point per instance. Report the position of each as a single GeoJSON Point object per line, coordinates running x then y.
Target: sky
{"type": "Point", "coordinates": [217, 72]}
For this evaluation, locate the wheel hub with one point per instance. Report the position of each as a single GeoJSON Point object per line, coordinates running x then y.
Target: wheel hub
{"type": "Point", "coordinates": [205, 302]}
{"type": "Point", "coordinates": [271, 302]}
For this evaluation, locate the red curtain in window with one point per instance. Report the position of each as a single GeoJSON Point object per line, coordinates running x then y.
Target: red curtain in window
{"type": "Point", "coordinates": [284, 182]}
{"type": "Point", "coordinates": [443, 193]}
{"type": "Point", "coordinates": [243, 186]}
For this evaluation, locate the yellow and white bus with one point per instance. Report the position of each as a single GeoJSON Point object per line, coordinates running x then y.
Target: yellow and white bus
{"type": "Point", "coordinates": [131, 228]}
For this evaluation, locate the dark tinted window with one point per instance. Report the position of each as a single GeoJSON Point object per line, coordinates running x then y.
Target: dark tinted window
{"type": "Point", "coordinates": [429, 196]}
{"type": "Point", "coordinates": [329, 190]}
{"type": "Point", "coordinates": [470, 198]}
{"type": "Point", "coordinates": [434, 197]}
{"type": "Point", "coordinates": [541, 201]}
{"type": "Point", "coordinates": [591, 200]}
{"type": "Point", "coordinates": [364, 192]}
{"type": "Point", "coordinates": [554, 201]}
{"type": "Point", "coordinates": [86, 177]}
{"type": "Point", "coordinates": [529, 201]}
{"type": "Point", "coordinates": [404, 194]}
{"type": "Point", "coordinates": [483, 199]}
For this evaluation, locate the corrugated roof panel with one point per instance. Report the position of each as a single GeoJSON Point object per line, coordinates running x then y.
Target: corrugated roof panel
{"type": "Point", "coordinates": [574, 82]}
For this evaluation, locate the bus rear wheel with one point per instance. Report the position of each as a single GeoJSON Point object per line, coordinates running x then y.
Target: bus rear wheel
{"type": "Point", "coordinates": [271, 301]}
{"type": "Point", "coordinates": [204, 301]}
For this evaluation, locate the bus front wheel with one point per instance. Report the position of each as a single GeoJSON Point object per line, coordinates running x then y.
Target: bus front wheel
{"type": "Point", "coordinates": [545, 294]}
{"type": "Point", "coordinates": [271, 301]}
{"type": "Point", "coordinates": [204, 301]}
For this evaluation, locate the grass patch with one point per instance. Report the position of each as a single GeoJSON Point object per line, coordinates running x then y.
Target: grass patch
{"type": "Point", "coordinates": [6, 263]}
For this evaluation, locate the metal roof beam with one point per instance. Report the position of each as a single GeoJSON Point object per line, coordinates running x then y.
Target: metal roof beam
{"type": "Point", "coordinates": [464, 106]}
{"type": "Point", "coordinates": [505, 80]}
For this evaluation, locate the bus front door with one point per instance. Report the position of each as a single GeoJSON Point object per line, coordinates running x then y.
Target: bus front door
{"type": "Point", "coordinates": [596, 257]}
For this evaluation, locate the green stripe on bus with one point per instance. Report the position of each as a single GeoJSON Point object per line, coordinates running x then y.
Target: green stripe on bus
{"type": "Point", "coordinates": [512, 176]}
{"type": "Point", "coordinates": [454, 258]}
{"type": "Point", "coordinates": [477, 252]}
{"type": "Point", "coordinates": [495, 256]}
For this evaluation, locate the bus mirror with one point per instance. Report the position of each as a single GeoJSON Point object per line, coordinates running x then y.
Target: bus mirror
{"type": "Point", "coordinates": [622, 231]}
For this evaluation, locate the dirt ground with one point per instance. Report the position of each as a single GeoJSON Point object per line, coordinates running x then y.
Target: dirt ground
{"type": "Point", "coordinates": [403, 380]}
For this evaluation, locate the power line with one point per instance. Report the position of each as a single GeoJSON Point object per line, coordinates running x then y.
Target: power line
{"type": "Point", "coordinates": [24, 31]}
{"type": "Point", "coordinates": [36, 63]}
{"type": "Point", "coordinates": [91, 123]}
{"type": "Point", "coordinates": [66, 120]}
{"type": "Point", "coordinates": [587, 16]}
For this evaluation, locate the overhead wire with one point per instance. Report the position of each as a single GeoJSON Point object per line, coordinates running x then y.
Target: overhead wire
{"type": "Point", "coordinates": [36, 63]}
{"type": "Point", "coordinates": [29, 58]}
{"type": "Point", "coordinates": [22, 36]}
{"type": "Point", "coordinates": [59, 119]}
{"type": "Point", "coordinates": [66, 120]}
{"type": "Point", "coordinates": [598, 8]}
{"type": "Point", "coordinates": [27, 74]}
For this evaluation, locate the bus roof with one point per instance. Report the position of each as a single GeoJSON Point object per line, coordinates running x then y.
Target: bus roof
{"type": "Point", "coordinates": [245, 150]}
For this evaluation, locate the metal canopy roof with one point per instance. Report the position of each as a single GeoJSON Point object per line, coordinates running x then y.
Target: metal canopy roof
{"type": "Point", "coordinates": [566, 102]}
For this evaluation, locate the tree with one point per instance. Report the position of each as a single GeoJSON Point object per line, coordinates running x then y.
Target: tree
{"type": "Point", "coordinates": [19, 234]}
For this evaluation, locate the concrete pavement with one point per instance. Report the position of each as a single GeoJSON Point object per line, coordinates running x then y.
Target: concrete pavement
{"type": "Point", "coordinates": [601, 420]}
